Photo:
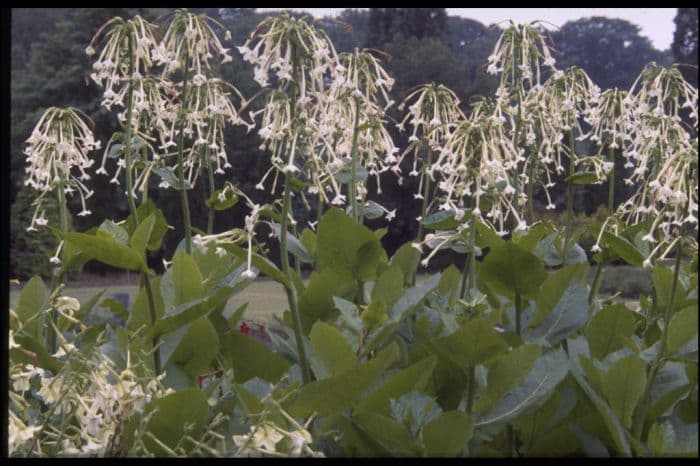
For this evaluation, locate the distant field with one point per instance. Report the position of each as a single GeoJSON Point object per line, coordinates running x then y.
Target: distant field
{"type": "Point", "coordinates": [266, 298]}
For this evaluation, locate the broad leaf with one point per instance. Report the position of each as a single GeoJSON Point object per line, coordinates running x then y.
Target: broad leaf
{"type": "Point", "coordinates": [107, 250]}
{"type": "Point", "coordinates": [448, 434]}
{"type": "Point", "coordinates": [250, 358]}
{"type": "Point", "coordinates": [509, 270]}
{"type": "Point", "coordinates": [332, 349]}
{"type": "Point", "coordinates": [171, 414]}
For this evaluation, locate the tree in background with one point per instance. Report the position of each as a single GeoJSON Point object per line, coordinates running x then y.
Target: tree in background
{"type": "Point", "coordinates": [610, 50]}
{"type": "Point", "coordinates": [685, 42]}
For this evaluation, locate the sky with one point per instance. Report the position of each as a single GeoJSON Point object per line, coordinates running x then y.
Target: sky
{"type": "Point", "coordinates": [655, 23]}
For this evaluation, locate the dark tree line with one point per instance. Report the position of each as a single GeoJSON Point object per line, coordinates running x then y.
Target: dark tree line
{"type": "Point", "coordinates": [50, 68]}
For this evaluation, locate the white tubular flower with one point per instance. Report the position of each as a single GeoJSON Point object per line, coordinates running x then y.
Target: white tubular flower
{"type": "Point", "coordinates": [518, 56]}
{"type": "Point", "coordinates": [124, 45]}
{"type": "Point", "coordinates": [190, 43]}
{"type": "Point", "coordinates": [282, 42]}
{"type": "Point", "coordinates": [433, 114]}
{"type": "Point", "coordinates": [663, 157]}
{"type": "Point", "coordinates": [477, 161]}
{"type": "Point", "coordinates": [58, 148]}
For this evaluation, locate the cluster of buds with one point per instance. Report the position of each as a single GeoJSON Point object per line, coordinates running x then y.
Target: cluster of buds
{"type": "Point", "coordinates": [57, 147]}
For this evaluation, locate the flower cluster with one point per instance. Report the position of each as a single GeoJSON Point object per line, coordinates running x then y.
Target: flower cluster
{"type": "Point", "coordinates": [89, 391]}
{"type": "Point", "coordinates": [59, 146]}
{"type": "Point", "coordinates": [519, 55]}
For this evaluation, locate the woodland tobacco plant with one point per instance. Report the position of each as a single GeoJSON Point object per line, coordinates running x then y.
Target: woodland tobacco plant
{"type": "Point", "coordinates": [513, 355]}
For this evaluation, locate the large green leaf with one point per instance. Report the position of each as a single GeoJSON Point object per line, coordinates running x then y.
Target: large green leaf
{"type": "Point", "coordinates": [554, 287]}
{"type": "Point", "coordinates": [186, 279]}
{"type": "Point", "coordinates": [547, 372]}
{"type": "Point", "coordinates": [608, 329]}
{"type": "Point", "coordinates": [623, 386]}
{"type": "Point", "coordinates": [160, 225]}
{"type": "Point", "coordinates": [578, 351]}
{"type": "Point", "coordinates": [198, 347]}
{"type": "Point", "coordinates": [250, 358]}
{"type": "Point", "coordinates": [389, 286]}
{"type": "Point", "coordinates": [506, 372]}
{"type": "Point", "coordinates": [139, 239]}
{"type": "Point", "coordinates": [414, 377]}
{"type": "Point", "coordinates": [625, 249]}
{"type": "Point", "coordinates": [171, 414]}
{"type": "Point", "coordinates": [332, 349]}
{"type": "Point", "coordinates": [509, 269]}
{"type": "Point", "coordinates": [343, 244]}
{"type": "Point", "coordinates": [106, 249]}
{"type": "Point", "coordinates": [569, 314]}
{"type": "Point", "coordinates": [448, 434]}
{"type": "Point", "coordinates": [116, 231]}
{"type": "Point", "coordinates": [390, 434]}
{"type": "Point", "coordinates": [406, 258]}
{"type": "Point", "coordinates": [670, 386]}
{"type": "Point", "coordinates": [682, 328]}
{"type": "Point", "coordinates": [31, 302]}
{"type": "Point", "coordinates": [185, 313]}
{"type": "Point", "coordinates": [316, 302]}
{"type": "Point", "coordinates": [475, 342]}
{"type": "Point", "coordinates": [331, 395]}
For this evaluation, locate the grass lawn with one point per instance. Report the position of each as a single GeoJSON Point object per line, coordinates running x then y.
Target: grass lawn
{"type": "Point", "coordinates": [266, 298]}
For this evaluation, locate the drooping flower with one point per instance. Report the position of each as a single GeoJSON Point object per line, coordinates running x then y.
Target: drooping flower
{"type": "Point", "coordinates": [58, 148]}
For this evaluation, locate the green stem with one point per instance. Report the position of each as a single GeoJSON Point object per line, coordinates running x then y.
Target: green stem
{"type": "Point", "coordinates": [132, 203]}
{"type": "Point", "coordinates": [569, 198]}
{"type": "Point", "coordinates": [530, 190]}
{"type": "Point", "coordinates": [465, 274]}
{"type": "Point", "coordinates": [611, 180]}
{"type": "Point", "coordinates": [57, 275]}
{"type": "Point", "coordinates": [425, 194]}
{"type": "Point", "coordinates": [127, 143]}
{"type": "Point", "coordinates": [180, 162]}
{"type": "Point", "coordinates": [212, 188]}
{"type": "Point", "coordinates": [640, 413]}
{"type": "Point", "coordinates": [595, 286]}
{"type": "Point", "coordinates": [353, 164]}
{"type": "Point", "coordinates": [284, 256]}
{"type": "Point", "coordinates": [291, 298]}
{"type": "Point", "coordinates": [471, 379]}
{"type": "Point", "coordinates": [518, 312]}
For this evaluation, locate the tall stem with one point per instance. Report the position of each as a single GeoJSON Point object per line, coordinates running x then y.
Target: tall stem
{"type": "Point", "coordinates": [132, 203]}
{"type": "Point", "coordinates": [180, 162]}
{"type": "Point", "coordinates": [569, 197]}
{"type": "Point", "coordinates": [640, 413]}
{"type": "Point", "coordinates": [530, 189]}
{"type": "Point", "coordinates": [127, 142]}
{"type": "Point", "coordinates": [611, 180]}
{"type": "Point", "coordinates": [57, 275]}
{"type": "Point", "coordinates": [425, 194]}
{"type": "Point", "coordinates": [518, 312]}
{"type": "Point", "coordinates": [352, 191]}
{"type": "Point", "coordinates": [284, 256]}
{"type": "Point", "coordinates": [596, 285]}
{"type": "Point", "coordinates": [212, 188]}
{"type": "Point", "coordinates": [291, 298]}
